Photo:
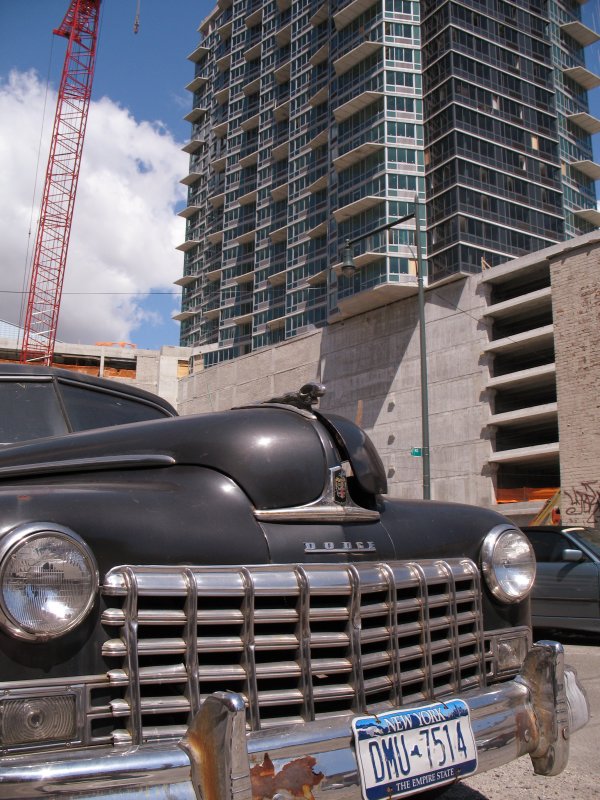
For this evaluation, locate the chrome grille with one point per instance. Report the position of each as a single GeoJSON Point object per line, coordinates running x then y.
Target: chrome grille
{"type": "Point", "coordinates": [298, 642]}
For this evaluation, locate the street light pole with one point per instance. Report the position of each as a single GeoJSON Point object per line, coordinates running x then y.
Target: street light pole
{"type": "Point", "coordinates": [423, 348]}
{"type": "Point", "coordinates": [348, 269]}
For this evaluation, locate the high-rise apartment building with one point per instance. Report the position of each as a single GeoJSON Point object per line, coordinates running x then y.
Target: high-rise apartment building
{"type": "Point", "coordinates": [318, 121]}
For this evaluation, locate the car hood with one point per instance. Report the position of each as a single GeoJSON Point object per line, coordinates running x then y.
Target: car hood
{"type": "Point", "coordinates": [277, 455]}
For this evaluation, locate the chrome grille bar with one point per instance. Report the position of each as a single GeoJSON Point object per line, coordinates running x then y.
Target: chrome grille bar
{"type": "Point", "coordinates": [304, 651]}
{"type": "Point", "coordinates": [298, 642]}
{"type": "Point", "coordinates": [191, 641]}
{"type": "Point", "coordinates": [132, 657]}
{"type": "Point", "coordinates": [250, 649]}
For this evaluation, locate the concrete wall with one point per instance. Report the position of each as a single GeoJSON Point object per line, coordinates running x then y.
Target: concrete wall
{"type": "Point", "coordinates": [576, 310]}
{"type": "Point", "coordinates": [371, 367]}
{"type": "Point", "coordinates": [252, 378]}
{"type": "Point", "coordinates": [160, 372]}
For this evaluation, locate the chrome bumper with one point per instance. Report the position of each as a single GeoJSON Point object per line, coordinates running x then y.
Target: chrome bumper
{"type": "Point", "coordinates": [535, 714]}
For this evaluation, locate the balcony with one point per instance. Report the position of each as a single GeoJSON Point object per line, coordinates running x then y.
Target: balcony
{"type": "Point", "coordinates": [199, 53]}
{"type": "Point", "coordinates": [220, 129]}
{"type": "Point", "coordinates": [217, 200]}
{"type": "Point", "coordinates": [585, 121]}
{"type": "Point", "coordinates": [222, 95]}
{"type": "Point", "coordinates": [282, 73]}
{"type": "Point", "coordinates": [248, 197]}
{"type": "Point", "coordinates": [245, 231]}
{"type": "Point", "coordinates": [183, 315]}
{"type": "Point", "coordinates": [213, 271]}
{"type": "Point", "coordinates": [320, 15]}
{"type": "Point", "coordinates": [319, 139]}
{"type": "Point", "coordinates": [224, 30]}
{"type": "Point", "coordinates": [284, 35]}
{"type": "Point", "coordinates": [249, 150]}
{"type": "Point", "coordinates": [282, 111]}
{"type": "Point", "coordinates": [196, 143]}
{"type": "Point", "coordinates": [588, 168]}
{"type": "Point", "coordinates": [196, 113]}
{"type": "Point", "coordinates": [580, 32]}
{"type": "Point", "coordinates": [355, 56]}
{"type": "Point", "coordinates": [189, 244]}
{"type": "Point", "coordinates": [197, 83]}
{"type": "Point", "coordinates": [218, 162]}
{"type": "Point", "coordinates": [279, 192]}
{"type": "Point", "coordinates": [584, 77]}
{"type": "Point", "coordinates": [251, 122]}
{"type": "Point", "coordinates": [279, 234]}
{"type": "Point", "coordinates": [253, 51]}
{"type": "Point", "coordinates": [255, 16]}
{"type": "Point", "coordinates": [189, 211]}
{"type": "Point", "coordinates": [281, 151]}
{"type": "Point", "coordinates": [320, 56]}
{"type": "Point", "coordinates": [210, 312]}
{"type": "Point", "coordinates": [376, 296]}
{"type": "Point", "coordinates": [590, 215]}
{"type": "Point", "coordinates": [357, 154]}
{"type": "Point", "coordinates": [350, 12]}
{"type": "Point", "coordinates": [191, 178]}
{"type": "Point", "coordinates": [215, 237]}
{"type": "Point", "coordinates": [186, 280]}
{"type": "Point", "coordinates": [319, 183]}
{"type": "Point", "coordinates": [356, 207]}
{"type": "Point", "coordinates": [356, 104]}
{"type": "Point", "coordinates": [224, 63]}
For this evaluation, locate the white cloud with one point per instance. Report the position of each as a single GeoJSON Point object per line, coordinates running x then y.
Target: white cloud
{"type": "Point", "coordinates": [124, 228]}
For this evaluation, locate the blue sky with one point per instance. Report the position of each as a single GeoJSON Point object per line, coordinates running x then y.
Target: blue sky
{"type": "Point", "coordinates": [143, 73]}
{"type": "Point", "coordinates": [119, 277]}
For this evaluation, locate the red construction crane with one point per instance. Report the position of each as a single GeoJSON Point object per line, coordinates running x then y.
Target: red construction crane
{"type": "Point", "coordinates": [80, 28]}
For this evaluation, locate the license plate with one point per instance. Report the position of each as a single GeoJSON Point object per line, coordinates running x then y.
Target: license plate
{"type": "Point", "coordinates": [406, 751]}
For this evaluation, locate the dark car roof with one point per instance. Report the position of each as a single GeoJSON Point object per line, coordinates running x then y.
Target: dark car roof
{"type": "Point", "coordinates": [16, 370]}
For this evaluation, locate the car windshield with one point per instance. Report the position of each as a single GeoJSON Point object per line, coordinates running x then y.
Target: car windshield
{"type": "Point", "coordinates": [590, 536]}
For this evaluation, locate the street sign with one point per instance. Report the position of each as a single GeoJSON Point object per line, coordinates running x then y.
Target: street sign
{"type": "Point", "coordinates": [416, 451]}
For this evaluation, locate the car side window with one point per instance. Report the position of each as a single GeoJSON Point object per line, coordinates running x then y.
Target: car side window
{"type": "Point", "coordinates": [89, 408]}
{"type": "Point", "coordinates": [549, 545]}
{"type": "Point", "coordinates": [29, 410]}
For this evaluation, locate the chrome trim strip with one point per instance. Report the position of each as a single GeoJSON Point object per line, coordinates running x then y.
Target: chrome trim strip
{"type": "Point", "coordinates": [509, 720]}
{"type": "Point", "coordinates": [87, 465]}
{"type": "Point", "coordinates": [317, 513]}
{"type": "Point", "coordinates": [325, 509]}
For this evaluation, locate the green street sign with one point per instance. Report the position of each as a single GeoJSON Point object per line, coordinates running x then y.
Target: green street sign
{"type": "Point", "coordinates": [416, 451]}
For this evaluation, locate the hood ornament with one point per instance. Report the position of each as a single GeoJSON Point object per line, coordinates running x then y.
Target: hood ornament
{"type": "Point", "coordinates": [305, 398]}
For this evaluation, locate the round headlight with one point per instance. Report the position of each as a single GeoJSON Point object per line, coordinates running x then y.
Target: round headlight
{"type": "Point", "coordinates": [508, 563]}
{"type": "Point", "coordinates": [48, 581]}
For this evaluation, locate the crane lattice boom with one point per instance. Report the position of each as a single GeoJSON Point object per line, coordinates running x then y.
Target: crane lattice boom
{"type": "Point", "coordinates": [80, 28]}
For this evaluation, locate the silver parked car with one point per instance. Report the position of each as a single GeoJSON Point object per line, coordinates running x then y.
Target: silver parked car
{"type": "Point", "coordinates": [566, 592]}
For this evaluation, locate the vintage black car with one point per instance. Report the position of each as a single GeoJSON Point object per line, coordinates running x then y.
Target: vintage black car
{"type": "Point", "coordinates": [227, 605]}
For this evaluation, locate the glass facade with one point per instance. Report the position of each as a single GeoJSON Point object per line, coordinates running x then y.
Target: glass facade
{"type": "Point", "coordinates": [318, 121]}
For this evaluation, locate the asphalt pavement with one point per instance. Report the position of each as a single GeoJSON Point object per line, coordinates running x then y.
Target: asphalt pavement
{"type": "Point", "coordinates": [581, 779]}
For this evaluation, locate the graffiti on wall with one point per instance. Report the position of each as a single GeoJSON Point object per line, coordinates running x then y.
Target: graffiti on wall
{"type": "Point", "coordinates": [584, 501]}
